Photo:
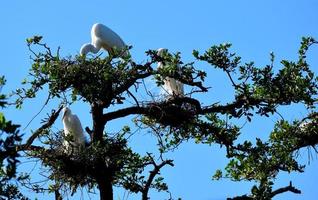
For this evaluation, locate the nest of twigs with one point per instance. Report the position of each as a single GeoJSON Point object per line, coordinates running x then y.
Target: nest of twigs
{"type": "Point", "coordinates": [82, 165]}
{"type": "Point", "coordinates": [174, 112]}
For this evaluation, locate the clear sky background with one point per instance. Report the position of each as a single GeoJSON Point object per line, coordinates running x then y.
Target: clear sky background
{"type": "Point", "coordinates": [253, 27]}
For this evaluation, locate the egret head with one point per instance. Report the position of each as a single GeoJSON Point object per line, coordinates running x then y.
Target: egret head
{"type": "Point", "coordinates": [86, 48]}
{"type": "Point", "coordinates": [66, 111]}
{"type": "Point", "coordinates": [161, 51]}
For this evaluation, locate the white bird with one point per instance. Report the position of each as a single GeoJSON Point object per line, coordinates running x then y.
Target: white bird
{"type": "Point", "coordinates": [102, 37]}
{"type": "Point", "coordinates": [72, 128]}
{"type": "Point", "coordinates": [171, 86]}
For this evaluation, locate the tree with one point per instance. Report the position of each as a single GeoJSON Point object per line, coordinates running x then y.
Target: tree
{"type": "Point", "coordinates": [106, 82]}
{"type": "Point", "coordinates": [10, 138]}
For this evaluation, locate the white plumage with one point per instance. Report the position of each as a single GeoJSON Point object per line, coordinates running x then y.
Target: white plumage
{"type": "Point", "coordinates": [72, 129]}
{"type": "Point", "coordinates": [102, 37]}
{"type": "Point", "coordinates": [171, 86]}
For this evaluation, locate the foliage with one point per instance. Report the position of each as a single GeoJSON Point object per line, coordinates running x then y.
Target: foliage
{"type": "Point", "coordinates": [9, 140]}
{"type": "Point", "coordinates": [105, 82]}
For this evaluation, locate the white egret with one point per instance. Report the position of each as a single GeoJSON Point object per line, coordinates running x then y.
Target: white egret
{"type": "Point", "coordinates": [72, 129]}
{"type": "Point", "coordinates": [102, 37]}
{"type": "Point", "coordinates": [171, 86]}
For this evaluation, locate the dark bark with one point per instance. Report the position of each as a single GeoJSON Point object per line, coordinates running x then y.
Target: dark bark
{"type": "Point", "coordinates": [102, 176]}
{"type": "Point", "coordinates": [105, 188]}
{"type": "Point", "coordinates": [58, 195]}
{"type": "Point", "coordinates": [150, 109]}
{"type": "Point", "coordinates": [152, 175]}
{"type": "Point", "coordinates": [98, 123]}
{"type": "Point", "coordinates": [289, 188]}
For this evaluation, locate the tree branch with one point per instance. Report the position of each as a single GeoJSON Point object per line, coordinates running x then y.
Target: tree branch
{"type": "Point", "coordinates": [152, 175]}
{"type": "Point", "coordinates": [289, 188]}
{"type": "Point", "coordinates": [135, 99]}
{"type": "Point", "coordinates": [48, 124]}
{"type": "Point", "coordinates": [151, 109]}
{"type": "Point", "coordinates": [124, 112]}
{"type": "Point", "coordinates": [135, 74]}
{"type": "Point", "coordinates": [243, 197]}
{"type": "Point", "coordinates": [25, 147]}
{"type": "Point", "coordinates": [230, 107]}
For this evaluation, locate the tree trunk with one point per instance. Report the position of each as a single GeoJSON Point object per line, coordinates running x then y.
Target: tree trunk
{"type": "Point", "coordinates": [105, 189]}
{"type": "Point", "coordinates": [98, 123]}
{"type": "Point", "coordinates": [58, 195]}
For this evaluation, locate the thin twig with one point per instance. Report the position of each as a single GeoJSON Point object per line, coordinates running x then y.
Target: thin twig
{"type": "Point", "coordinates": [46, 102]}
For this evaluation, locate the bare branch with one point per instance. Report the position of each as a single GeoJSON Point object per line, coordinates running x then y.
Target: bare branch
{"type": "Point", "coordinates": [153, 173]}
{"type": "Point", "coordinates": [49, 123]}
{"type": "Point", "coordinates": [150, 109]}
{"type": "Point", "coordinates": [135, 99]}
{"type": "Point", "coordinates": [46, 102]}
{"type": "Point", "coordinates": [289, 188]}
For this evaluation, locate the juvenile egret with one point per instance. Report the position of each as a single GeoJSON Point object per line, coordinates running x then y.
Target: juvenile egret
{"type": "Point", "coordinates": [102, 37]}
{"type": "Point", "coordinates": [73, 128]}
{"type": "Point", "coordinates": [171, 86]}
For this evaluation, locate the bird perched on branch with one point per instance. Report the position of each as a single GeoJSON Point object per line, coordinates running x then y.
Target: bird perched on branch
{"type": "Point", "coordinates": [74, 134]}
{"type": "Point", "coordinates": [171, 86]}
{"type": "Point", "coordinates": [105, 38]}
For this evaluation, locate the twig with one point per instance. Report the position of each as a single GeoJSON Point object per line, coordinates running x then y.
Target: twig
{"type": "Point", "coordinates": [46, 102]}
{"type": "Point", "coordinates": [49, 123]}
{"type": "Point", "coordinates": [133, 97]}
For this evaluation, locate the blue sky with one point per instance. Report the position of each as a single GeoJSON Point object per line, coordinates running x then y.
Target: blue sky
{"type": "Point", "coordinates": [253, 27]}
